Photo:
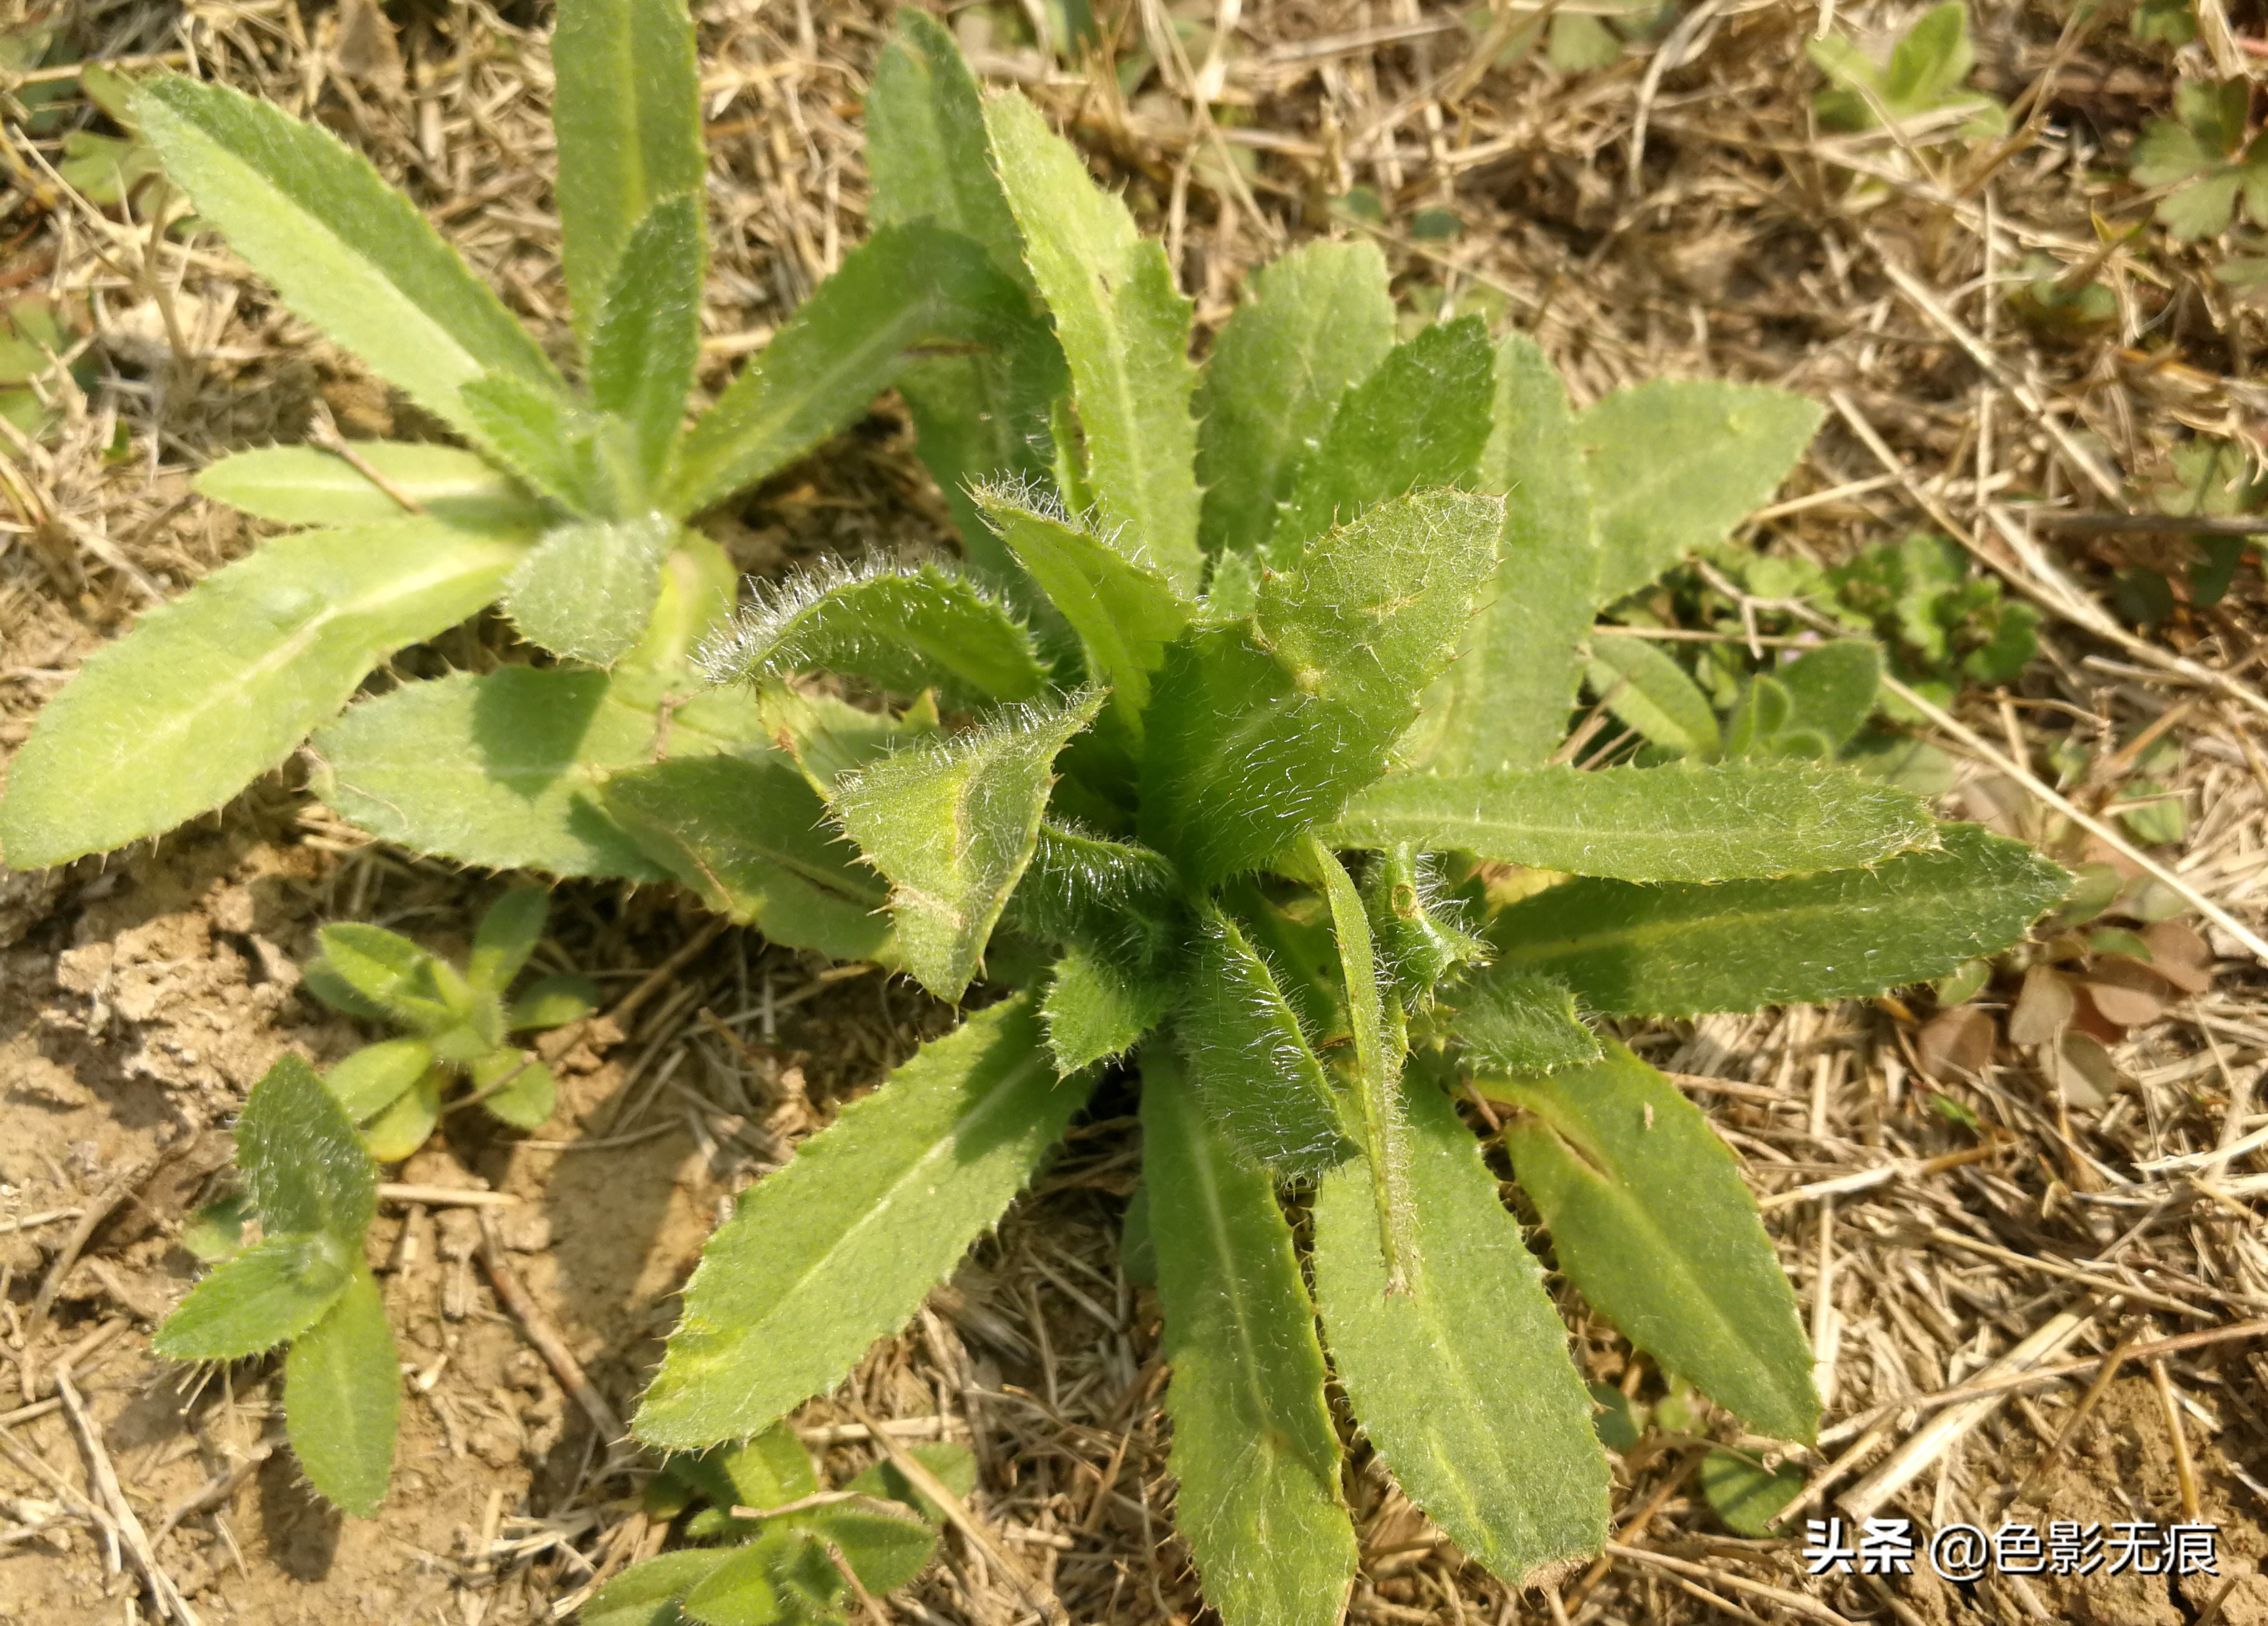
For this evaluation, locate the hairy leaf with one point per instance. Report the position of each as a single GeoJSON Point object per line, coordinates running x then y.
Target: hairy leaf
{"type": "Point", "coordinates": [828, 738]}
{"type": "Point", "coordinates": [548, 439]}
{"type": "Point", "coordinates": [403, 1128]}
{"type": "Point", "coordinates": [1125, 613]}
{"type": "Point", "coordinates": [764, 1584]}
{"type": "Point", "coordinates": [626, 107]}
{"type": "Point", "coordinates": [508, 932]}
{"type": "Point", "coordinates": [1675, 463]}
{"type": "Point", "coordinates": [1462, 1382]}
{"type": "Point", "coordinates": [699, 588]}
{"type": "Point", "coordinates": [1313, 324]}
{"type": "Point", "coordinates": [1261, 729]}
{"type": "Point", "coordinates": [751, 837]}
{"type": "Point", "coordinates": [904, 288]}
{"type": "Point", "coordinates": [514, 1086]}
{"type": "Point", "coordinates": [1116, 897]}
{"type": "Point", "coordinates": [885, 1549]}
{"type": "Point", "coordinates": [306, 485]}
{"type": "Point", "coordinates": [955, 1467]}
{"type": "Point", "coordinates": [210, 691]}
{"type": "Point", "coordinates": [952, 825]}
{"type": "Point", "coordinates": [1649, 1218]}
{"type": "Point", "coordinates": [904, 630]}
{"type": "Point", "coordinates": [551, 1002]}
{"type": "Point", "coordinates": [1420, 934]}
{"type": "Point", "coordinates": [374, 1077]}
{"type": "Point", "coordinates": [1518, 1023]}
{"type": "Point", "coordinates": [648, 333]}
{"type": "Point", "coordinates": [345, 250]}
{"type": "Point", "coordinates": [1254, 1447]}
{"type": "Point", "coordinates": [385, 976]}
{"type": "Point", "coordinates": [1124, 331]}
{"type": "Point", "coordinates": [981, 415]}
{"type": "Point", "coordinates": [587, 590]}
{"type": "Point", "coordinates": [1251, 1063]}
{"type": "Point", "coordinates": [303, 1163]}
{"type": "Point", "coordinates": [1505, 702]}
{"type": "Point", "coordinates": [274, 1291]}
{"type": "Point", "coordinates": [646, 1593]}
{"type": "Point", "coordinates": [342, 1394]}
{"type": "Point", "coordinates": [1096, 1010]}
{"type": "Point", "coordinates": [499, 769]}
{"type": "Point", "coordinates": [837, 1249]}
{"type": "Point", "coordinates": [1419, 419]}
{"type": "Point", "coordinates": [1650, 693]}
{"type": "Point", "coordinates": [1832, 688]}
{"type": "Point", "coordinates": [1678, 951]}
{"type": "Point", "coordinates": [1729, 822]}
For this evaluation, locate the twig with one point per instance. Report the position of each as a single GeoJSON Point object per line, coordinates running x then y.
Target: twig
{"type": "Point", "coordinates": [447, 1196]}
{"type": "Point", "coordinates": [1810, 1608]}
{"type": "Point", "coordinates": [323, 431]}
{"type": "Point", "coordinates": [2185, 1469]}
{"type": "Point", "coordinates": [2087, 1403]}
{"type": "Point", "coordinates": [2094, 826]}
{"type": "Point", "coordinates": [626, 1007]}
{"type": "Point", "coordinates": [2130, 524]}
{"type": "Point", "coordinates": [543, 1334]}
{"type": "Point", "coordinates": [131, 1535]}
{"type": "Point", "coordinates": [1037, 1593]}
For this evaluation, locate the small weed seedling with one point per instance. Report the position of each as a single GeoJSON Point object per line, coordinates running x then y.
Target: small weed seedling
{"type": "Point", "coordinates": [459, 1024]}
{"type": "Point", "coordinates": [1230, 760]}
{"type": "Point", "coordinates": [1920, 89]}
{"type": "Point", "coordinates": [775, 1549]}
{"type": "Point", "coordinates": [2202, 157]}
{"type": "Point", "coordinates": [304, 1283]}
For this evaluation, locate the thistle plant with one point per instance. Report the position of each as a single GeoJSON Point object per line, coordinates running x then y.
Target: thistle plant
{"type": "Point", "coordinates": [459, 1024]}
{"type": "Point", "coordinates": [304, 1283]}
{"type": "Point", "coordinates": [1230, 762]}
{"type": "Point", "coordinates": [771, 1546]}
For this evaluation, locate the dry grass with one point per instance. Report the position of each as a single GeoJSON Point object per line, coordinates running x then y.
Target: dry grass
{"type": "Point", "coordinates": [1948, 1213]}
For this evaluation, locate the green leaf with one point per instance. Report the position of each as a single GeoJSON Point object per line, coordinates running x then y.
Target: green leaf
{"type": "Point", "coordinates": [1250, 1062]}
{"type": "Point", "coordinates": [1675, 463]}
{"type": "Point", "coordinates": [2202, 209]}
{"type": "Point", "coordinates": [1649, 1218]}
{"type": "Point", "coordinates": [1096, 1010]}
{"type": "Point", "coordinates": [1125, 613]}
{"type": "Point", "coordinates": [403, 1128]}
{"type": "Point", "coordinates": [927, 153]}
{"type": "Point", "coordinates": [1254, 1447]}
{"type": "Point", "coordinates": [1651, 693]}
{"type": "Point", "coordinates": [499, 769]}
{"type": "Point", "coordinates": [626, 107]}
{"type": "Point", "coordinates": [648, 333]}
{"type": "Point", "coordinates": [515, 1087]}
{"type": "Point", "coordinates": [1313, 324]}
{"type": "Point", "coordinates": [700, 585]}
{"type": "Point", "coordinates": [885, 1549]}
{"type": "Point", "coordinates": [1504, 702]}
{"type": "Point", "coordinates": [374, 1077]}
{"type": "Point", "coordinates": [1115, 896]}
{"type": "Point", "coordinates": [1419, 934]}
{"type": "Point", "coordinates": [211, 691]}
{"type": "Point", "coordinates": [750, 838]}
{"type": "Point", "coordinates": [1462, 1382]}
{"type": "Point", "coordinates": [1124, 330]}
{"type": "Point", "coordinates": [1731, 821]}
{"type": "Point", "coordinates": [1933, 57]}
{"type": "Point", "coordinates": [1745, 1495]}
{"type": "Point", "coordinates": [757, 1585]}
{"type": "Point", "coordinates": [904, 290]}
{"type": "Point", "coordinates": [902, 630]}
{"type": "Point", "coordinates": [646, 1593]}
{"type": "Point", "coordinates": [587, 590]}
{"type": "Point", "coordinates": [2165, 153]}
{"type": "Point", "coordinates": [274, 1291]}
{"type": "Point", "coordinates": [1832, 688]}
{"type": "Point", "coordinates": [344, 249]}
{"type": "Point", "coordinates": [341, 1393]}
{"type": "Point", "coordinates": [1678, 951]}
{"type": "Point", "coordinates": [548, 439]}
{"type": "Point", "coordinates": [303, 1163]}
{"type": "Point", "coordinates": [552, 1002]}
{"type": "Point", "coordinates": [508, 932]}
{"type": "Point", "coordinates": [1259, 730]}
{"type": "Point", "coordinates": [955, 1467]}
{"type": "Point", "coordinates": [828, 738]}
{"type": "Point", "coordinates": [1419, 419]}
{"type": "Point", "coordinates": [384, 972]}
{"type": "Point", "coordinates": [838, 1248]}
{"type": "Point", "coordinates": [306, 485]}
{"type": "Point", "coordinates": [953, 825]}
{"type": "Point", "coordinates": [1523, 1024]}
